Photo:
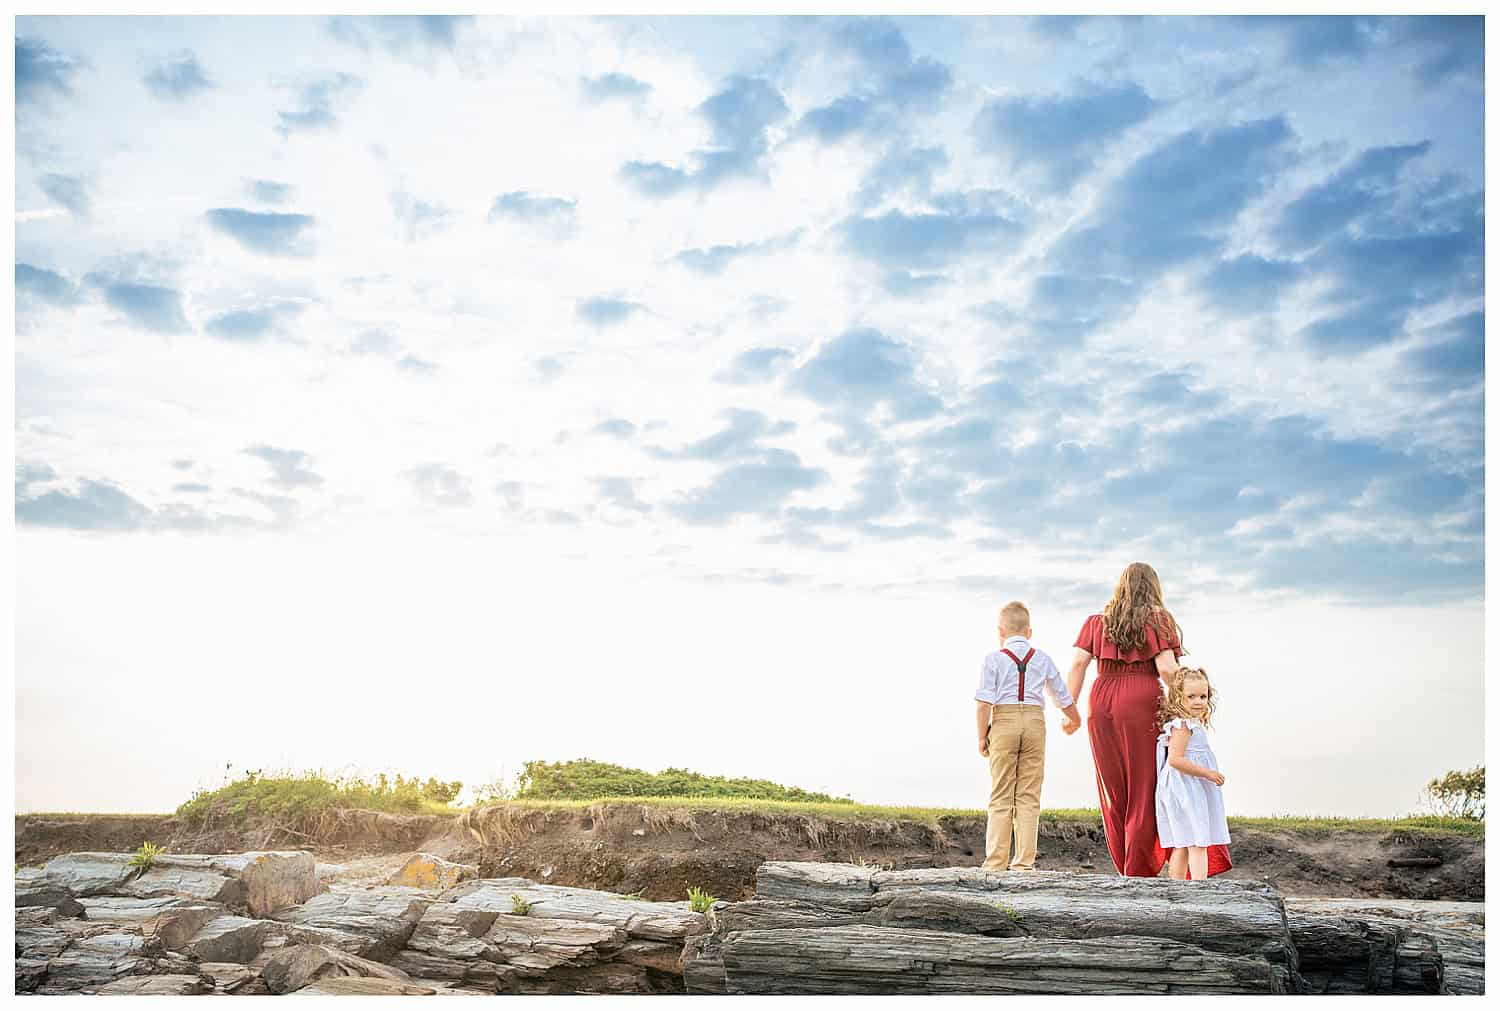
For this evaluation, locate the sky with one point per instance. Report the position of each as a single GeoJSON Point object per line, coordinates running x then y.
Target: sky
{"type": "Point", "coordinates": [435, 394]}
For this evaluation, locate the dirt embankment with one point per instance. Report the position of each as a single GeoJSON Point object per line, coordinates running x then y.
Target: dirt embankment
{"type": "Point", "coordinates": [660, 852]}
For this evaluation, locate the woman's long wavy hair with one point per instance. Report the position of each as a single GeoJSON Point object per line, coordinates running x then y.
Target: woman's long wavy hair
{"type": "Point", "coordinates": [1135, 604]}
{"type": "Point", "coordinates": [1173, 705]}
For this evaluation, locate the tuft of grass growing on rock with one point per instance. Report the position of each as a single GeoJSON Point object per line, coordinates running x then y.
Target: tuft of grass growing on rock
{"type": "Point", "coordinates": [700, 901]}
{"type": "Point", "coordinates": [143, 858]}
{"type": "Point", "coordinates": [519, 906]}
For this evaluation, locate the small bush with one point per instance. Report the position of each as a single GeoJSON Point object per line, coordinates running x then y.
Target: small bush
{"type": "Point", "coordinates": [144, 857]}
{"type": "Point", "coordinates": [519, 906]}
{"type": "Point", "coordinates": [1459, 794]}
{"type": "Point", "coordinates": [588, 780]}
{"type": "Point", "coordinates": [295, 800]}
{"type": "Point", "coordinates": [700, 901]}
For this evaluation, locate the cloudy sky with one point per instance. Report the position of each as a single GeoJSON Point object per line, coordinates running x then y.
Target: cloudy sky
{"type": "Point", "coordinates": [437, 394]}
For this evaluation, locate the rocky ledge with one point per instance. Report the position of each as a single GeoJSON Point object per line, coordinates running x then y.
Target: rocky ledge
{"type": "Point", "coordinates": [267, 923]}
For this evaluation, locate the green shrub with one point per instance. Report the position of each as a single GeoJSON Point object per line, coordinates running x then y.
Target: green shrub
{"type": "Point", "coordinates": [519, 906]}
{"type": "Point", "coordinates": [583, 779]}
{"type": "Point", "coordinates": [144, 857]}
{"type": "Point", "coordinates": [700, 901]}
{"type": "Point", "coordinates": [1459, 794]}
{"type": "Point", "coordinates": [296, 799]}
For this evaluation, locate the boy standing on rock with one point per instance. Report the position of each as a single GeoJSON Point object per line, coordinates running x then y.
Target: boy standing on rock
{"type": "Point", "coordinates": [1013, 736]}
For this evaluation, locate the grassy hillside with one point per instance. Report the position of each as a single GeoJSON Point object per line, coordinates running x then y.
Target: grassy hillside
{"type": "Point", "coordinates": [300, 799]}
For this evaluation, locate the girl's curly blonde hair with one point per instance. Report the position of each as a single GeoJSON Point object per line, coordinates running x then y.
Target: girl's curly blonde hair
{"type": "Point", "coordinates": [1173, 705]}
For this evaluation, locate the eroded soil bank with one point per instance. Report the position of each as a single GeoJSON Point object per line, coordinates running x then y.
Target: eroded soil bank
{"type": "Point", "coordinates": [661, 852]}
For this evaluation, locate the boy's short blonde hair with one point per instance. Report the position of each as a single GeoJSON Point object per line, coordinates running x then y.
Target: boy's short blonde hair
{"type": "Point", "coordinates": [1014, 618]}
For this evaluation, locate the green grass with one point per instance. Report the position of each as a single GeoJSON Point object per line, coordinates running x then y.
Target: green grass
{"type": "Point", "coordinates": [1419, 824]}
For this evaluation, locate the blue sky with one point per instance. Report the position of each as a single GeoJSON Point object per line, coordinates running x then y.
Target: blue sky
{"type": "Point", "coordinates": [967, 308]}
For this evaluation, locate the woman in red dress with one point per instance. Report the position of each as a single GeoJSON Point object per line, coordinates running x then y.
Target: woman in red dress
{"type": "Point", "coordinates": [1136, 642]}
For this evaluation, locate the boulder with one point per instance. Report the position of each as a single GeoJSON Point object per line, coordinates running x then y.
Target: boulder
{"type": "Point", "coordinates": [372, 923]}
{"type": "Point", "coordinates": [258, 883]}
{"type": "Point", "coordinates": [424, 870]}
{"type": "Point", "coordinates": [450, 931]}
{"type": "Point", "coordinates": [229, 939]}
{"type": "Point", "coordinates": [42, 894]}
{"type": "Point", "coordinates": [228, 977]}
{"type": "Point", "coordinates": [295, 967]}
{"type": "Point", "coordinates": [1389, 945]}
{"type": "Point", "coordinates": [535, 946]}
{"type": "Point", "coordinates": [837, 928]}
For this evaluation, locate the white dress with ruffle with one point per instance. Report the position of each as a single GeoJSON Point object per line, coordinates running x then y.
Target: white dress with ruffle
{"type": "Point", "coordinates": [1189, 809]}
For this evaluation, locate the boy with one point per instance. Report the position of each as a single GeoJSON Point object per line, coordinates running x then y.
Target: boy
{"type": "Point", "coordinates": [1013, 735]}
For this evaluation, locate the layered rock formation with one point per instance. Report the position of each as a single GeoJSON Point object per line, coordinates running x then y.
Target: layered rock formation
{"type": "Point", "coordinates": [265, 923]}
{"type": "Point", "coordinates": [837, 928]}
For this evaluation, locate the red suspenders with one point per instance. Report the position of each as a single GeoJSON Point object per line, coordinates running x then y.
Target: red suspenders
{"type": "Point", "coordinates": [1021, 663]}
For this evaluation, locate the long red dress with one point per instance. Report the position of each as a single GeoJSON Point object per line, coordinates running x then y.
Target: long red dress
{"type": "Point", "coordinates": [1122, 734]}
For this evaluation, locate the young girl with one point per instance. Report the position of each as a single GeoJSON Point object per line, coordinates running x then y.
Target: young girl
{"type": "Point", "coordinates": [1189, 804]}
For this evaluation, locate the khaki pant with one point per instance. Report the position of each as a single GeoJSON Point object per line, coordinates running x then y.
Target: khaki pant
{"type": "Point", "coordinates": [1018, 738]}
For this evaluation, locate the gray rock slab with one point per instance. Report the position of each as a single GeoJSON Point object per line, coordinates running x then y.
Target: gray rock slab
{"type": "Point", "coordinates": [89, 873]}
{"type": "Point", "coordinates": [536, 946]}
{"type": "Point", "coordinates": [156, 986]}
{"type": "Point", "coordinates": [228, 977]}
{"type": "Point", "coordinates": [882, 960]}
{"type": "Point", "coordinates": [354, 986]}
{"type": "Point", "coordinates": [94, 961]}
{"type": "Point", "coordinates": [379, 920]}
{"type": "Point", "coordinates": [451, 931]}
{"type": "Point", "coordinates": [229, 939]}
{"type": "Point", "coordinates": [295, 967]}
{"type": "Point", "coordinates": [651, 921]}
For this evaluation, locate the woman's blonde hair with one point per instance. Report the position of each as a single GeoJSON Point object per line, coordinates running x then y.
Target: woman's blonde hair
{"type": "Point", "coordinates": [1135, 604]}
{"type": "Point", "coordinates": [1173, 705]}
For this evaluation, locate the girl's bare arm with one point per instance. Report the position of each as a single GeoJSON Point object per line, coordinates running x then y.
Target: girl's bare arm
{"type": "Point", "coordinates": [1177, 757]}
{"type": "Point", "coordinates": [1166, 664]}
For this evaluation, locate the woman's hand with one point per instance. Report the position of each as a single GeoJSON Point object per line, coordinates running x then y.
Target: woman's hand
{"type": "Point", "coordinates": [1216, 778]}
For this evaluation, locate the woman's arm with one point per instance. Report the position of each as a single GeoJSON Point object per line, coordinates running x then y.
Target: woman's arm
{"type": "Point", "coordinates": [1081, 658]}
{"type": "Point", "coordinates": [1177, 757]}
{"type": "Point", "coordinates": [1166, 664]}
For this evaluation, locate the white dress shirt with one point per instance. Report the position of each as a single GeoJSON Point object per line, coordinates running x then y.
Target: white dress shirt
{"type": "Point", "coordinates": [1000, 679]}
